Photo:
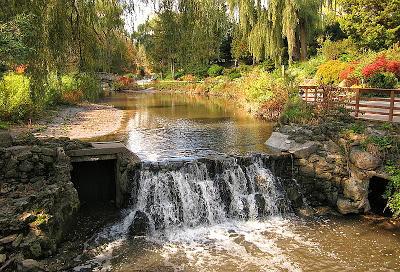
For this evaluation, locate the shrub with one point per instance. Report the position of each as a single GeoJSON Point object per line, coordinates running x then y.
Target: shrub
{"type": "Point", "coordinates": [344, 50]}
{"type": "Point", "coordinates": [393, 190]}
{"type": "Point", "coordinates": [179, 74]}
{"type": "Point", "coordinates": [349, 74]}
{"type": "Point", "coordinates": [90, 87]}
{"type": "Point", "coordinates": [297, 111]}
{"type": "Point", "coordinates": [268, 65]}
{"type": "Point", "coordinates": [189, 77]}
{"type": "Point", "coordinates": [305, 70]}
{"type": "Point", "coordinates": [199, 72]}
{"type": "Point", "coordinates": [76, 88]}
{"type": "Point", "coordinates": [215, 70]}
{"type": "Point", "coordinates": [266, 92]}
{"type": "Point", "coordinates": [15, 101]}
{"type": "Point", "coordinates": [328, 72]}
{"type": "Point", "coordinates": [381, 64]}
{"type": "Point", "coordinates": [383, 80]}
{"type": "Point", "coordinates": [232, 73]}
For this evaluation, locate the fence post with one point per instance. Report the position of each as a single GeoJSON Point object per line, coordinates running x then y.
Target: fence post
{"type": "Point", "coordinates": [306, 95]}
{"type": "Point", "coordinates": [391, 110]}
{"type": "Point", "coordinates": [357, 102]}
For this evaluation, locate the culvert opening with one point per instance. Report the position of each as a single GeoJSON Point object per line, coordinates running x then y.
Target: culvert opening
{"type": "Point", "coordinates": [376, 192]}
{"type": "Point", "coordinates": [95, 181]}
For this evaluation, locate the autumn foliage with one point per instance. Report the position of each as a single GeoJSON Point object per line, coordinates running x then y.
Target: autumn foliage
{"type": "Point", "coordinates": [381, 65]}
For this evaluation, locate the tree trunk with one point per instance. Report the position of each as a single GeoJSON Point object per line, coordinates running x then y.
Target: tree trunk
{"type": "Point", "coordinates": [173, 69]}
{"type": "Point", "coordinates": [303, 42]}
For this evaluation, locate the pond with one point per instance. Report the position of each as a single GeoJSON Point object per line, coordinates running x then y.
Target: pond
{"type": "Point", "coordinates": [162, 126]}
{"type": "Point", "coordinates": [191, 226]}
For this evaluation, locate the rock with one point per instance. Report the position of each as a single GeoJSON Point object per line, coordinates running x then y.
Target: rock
{"type": "Point", "coordinates": [307, 170]}
{"type": "Point", "coordinates": [331, 147]}
{"type": "Point", "coordinates": [35, 249]}
{"type": "Point", "coordinates": [322, 210]}
{"type": "Point", "coordinates": [279, 142]}
{"type": "Point", "coordinates": [26, 166]}
{"type": "Point", "coordinates": [306, 212]}
{"type": "Point", "coordinates": [3, 258]}
{"type": "Point", "coordinates": [346, 206]}
{"type": "Point", "coordinates": [140, 225]}
{"type": "Point", "coordinates": [355, 190]}
{"type": "Point", "coordinates": [29, 265]}
{"type": "Point", "coordinates": [303, 151]}
{"type": "Point", "coordinates": [364, 160]}
{"type": "Point", "coordinates": [18, 240]}
{"type": "Point", "coordinates": [5, 139]}
{"type": "Point", "coordinates": [8, 239]}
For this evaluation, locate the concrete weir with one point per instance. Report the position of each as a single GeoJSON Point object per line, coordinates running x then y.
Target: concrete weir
{"type": "Point", "coordinates": [99, 172]}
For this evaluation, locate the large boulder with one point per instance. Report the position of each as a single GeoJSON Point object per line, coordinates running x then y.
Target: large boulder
{"type": "Point", "coordinates": [300, 150]}
{"type": "Point", "coordinates": [303, 151]}
{"type": "Point", "coordinates": [279, 142]}
{"type": "Point", "coordinates": [140, 225]}
{"type": "Point", "coordinates": [364, 160]}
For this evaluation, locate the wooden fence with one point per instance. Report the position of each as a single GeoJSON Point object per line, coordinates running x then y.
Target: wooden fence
{"type": "Point", "coordinates": [371, 101]}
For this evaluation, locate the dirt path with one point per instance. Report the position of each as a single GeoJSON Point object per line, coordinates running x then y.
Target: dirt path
{"type": "Point", "coordinates": [83, 121]}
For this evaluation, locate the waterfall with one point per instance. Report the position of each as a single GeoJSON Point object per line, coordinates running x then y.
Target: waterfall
{"type": "Point", "coordinates": [206, 191]}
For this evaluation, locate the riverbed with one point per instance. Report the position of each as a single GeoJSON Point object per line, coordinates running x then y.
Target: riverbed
{"type": "Point", "coordinates": [163, 127]}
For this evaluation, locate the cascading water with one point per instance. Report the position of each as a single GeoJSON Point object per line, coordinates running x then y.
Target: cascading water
{"type": "Point", "coordinates": [189, 194]}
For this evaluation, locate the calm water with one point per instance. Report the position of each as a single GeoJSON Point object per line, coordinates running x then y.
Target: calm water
{"type": "Point", "coordinates": [172, 127]}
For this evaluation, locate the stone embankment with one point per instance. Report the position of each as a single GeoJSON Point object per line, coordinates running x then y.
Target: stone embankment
{"type": "Point", "coordinates": [38, 200]}
{"type": "Point", "coordinates": [332, 169]}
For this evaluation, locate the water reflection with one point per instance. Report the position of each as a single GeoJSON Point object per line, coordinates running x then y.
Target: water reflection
{"type": "Point", "coordinates": [162, 126]}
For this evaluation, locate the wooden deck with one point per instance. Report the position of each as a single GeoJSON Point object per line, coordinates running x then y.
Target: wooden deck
{"type": "Point", "coordinates": [365, 103]}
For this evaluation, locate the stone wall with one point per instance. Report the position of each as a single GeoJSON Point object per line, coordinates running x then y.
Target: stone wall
{"type": "Point", "coordinates": [331, 173]}
{"type": "Point", "coordinates": [37, 198]}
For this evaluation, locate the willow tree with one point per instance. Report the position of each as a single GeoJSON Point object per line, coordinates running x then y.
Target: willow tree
{"type": "Point", "coordinates": [267, 24]}
{"type": "Point", "coordinates": [66, 35]}
{"type": "Point", "coordinates": [184, 34]}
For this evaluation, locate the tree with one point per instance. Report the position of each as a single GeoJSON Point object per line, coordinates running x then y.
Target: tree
{"type": "Point", "coordinates": [370, 23]}
{"type": "Point", "coordinates": [268, 26]}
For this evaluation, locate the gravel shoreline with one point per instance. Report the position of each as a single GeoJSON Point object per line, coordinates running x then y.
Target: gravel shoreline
{"type": "Point", "coordinates": [83, 121]}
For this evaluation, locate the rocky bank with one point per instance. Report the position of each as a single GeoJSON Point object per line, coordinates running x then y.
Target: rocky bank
{"type": "Point", "coordinates": [38, 200]}
{"type": "Point", "coordinates": [332, 163]}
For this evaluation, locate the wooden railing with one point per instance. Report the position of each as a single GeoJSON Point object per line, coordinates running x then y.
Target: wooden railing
{"type": "Point", "coordinates": [355, 99]}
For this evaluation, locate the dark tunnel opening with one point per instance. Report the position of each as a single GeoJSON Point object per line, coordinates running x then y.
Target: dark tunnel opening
{"type": "Point", "coordinates": [95, 181]}
{"type": "Point", "coordinates": [376, 196]}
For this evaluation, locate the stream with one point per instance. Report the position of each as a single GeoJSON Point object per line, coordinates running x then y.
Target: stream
{"type": "Point", "coordinates": [224, 213]}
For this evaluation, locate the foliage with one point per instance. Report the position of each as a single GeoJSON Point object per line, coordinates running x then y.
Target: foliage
{"type": "Point", "coordinates": [382, 64]}
{"type": "Point", "coordinates": [15, 102]}
{"type": "Point", "coordinates": [357, 127]}
{"type": "Point", "coordinates": [266, 26]}
{"type": "Point", "coordinates": [344, 50]}
{"type": "Point", "coordinates": [78, 87]}
{"type": "Point", "coordinates": [185, 34]}
{"type": "Point", "coordinates": [383, 80]}
{"type": "Point", "coordinates": [14, 48]}
{"type": "Point", "coordinates": [297, 111]}
{"type": "Point", "coordinates": [215, 70]}
{"type": "Point", "coordinates": [305, 70]}
{"type": "Point", "coordinates": [189, 77]}
{"type": "Point", "coordinates": [393, 190]}
{"type": "Point", "coordinates": [371, 24]}
{"type": "Point", "coordinates": [383, 142]}
{"type": "Point", "coordinates": [329, 72]}
{"type": "Point", "coordinates": [233, 73]}
{"type": "Point", "coordinates": [265, 92]}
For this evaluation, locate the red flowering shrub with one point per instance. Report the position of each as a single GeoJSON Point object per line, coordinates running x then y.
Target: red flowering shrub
{"type": "Point", "coordinates": [381, 65]}
{"type": "Point", "coordinates": [125, 81]}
